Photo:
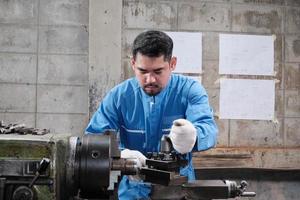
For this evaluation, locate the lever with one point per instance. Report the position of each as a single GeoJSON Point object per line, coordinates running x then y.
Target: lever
{"type": "Point", "coordinates": [42, 168]}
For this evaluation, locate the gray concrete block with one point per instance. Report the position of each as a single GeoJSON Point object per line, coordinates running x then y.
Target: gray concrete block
{"type": "Point", "coordinates": [17, 68]}
{"type": "Point", "coordinates": [293, 2]}
{"type": "Point", "coordinates": [128, 37]}
{"type": "Point", "coordinates": [292, 22]}
{"type": "Point", "coordinates": [210, 46]}
{"type": "Point", "coordinates": [147, 14]}
{"type": "Point", "coordinates": [62, 99]}
{"type": "Point", "coordinates": [57, 39]}
{"type": "Point", "coordinates": [67, 12]}
{"type": "Point", "coordinates": [259, 2]}
{"type": "Point", "coordinates": [96, 94]}
{"type": "Point", "coordinates": [292, 131]}
{"type": "Point", "coordinates": [74, 124]}
{"type": "Point", "coordinates": [18, 118]}
{"type": "Point", "coordinates": [222, 139]}
{"type": "Point", "coordinates": [278, 68]}
{"type": "Point", "coordinates": [256, 133]}
{"type": "Point", "coordinates": [292, 103]}
{"type": "Point", "coordinates": [215, 1]}
{"type": "Point", "coordinates": [18, 11]}
{"type": "Point", "coordinates": [213, 97]}
{"type": "Point", "coordinates": [127, 71]}
{"type": "Point", "coordinates": [210, 74]}
{"type": "Point", "coordinates": [279, 105]}
{"type": "Point", "coordinates": [292, 76]}
{"type": "Point", "coordinates": [257, 19]}
{"type": "Point", "coordinates": [18, 38]}
{"type": "Point", "coordinates": [204, 16]}
{"type": "Point", "coordinates": [292, 48]}
{"type": "Point", "coordinates": [278, 57]}
{"type": "Point", "coordinates": [17, 98]}
{"type": "Point", "coordinates": [285, 158]}
{"type": "Point", "coordinates": [63, 69]}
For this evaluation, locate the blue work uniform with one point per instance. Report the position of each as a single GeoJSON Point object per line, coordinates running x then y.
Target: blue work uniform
{"type": "Point", "coordinates": [141, 120]}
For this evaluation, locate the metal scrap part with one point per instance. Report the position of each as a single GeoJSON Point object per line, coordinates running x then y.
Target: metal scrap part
{"type": "Point", "coordinates": [21, 129]}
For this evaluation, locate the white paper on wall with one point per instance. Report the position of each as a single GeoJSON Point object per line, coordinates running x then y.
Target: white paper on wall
{"type": "Point", "coordinates": [247, 99]}
{"type": "Point", "coordinates": [188, 50]}
{"type": "Point", "coordinates": [246, 54]}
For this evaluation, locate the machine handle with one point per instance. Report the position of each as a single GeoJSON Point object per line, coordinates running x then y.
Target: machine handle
{"type": "Point", "coordinates": [248, 194]}
{"type": "Point", "coordinates": [42, 168]}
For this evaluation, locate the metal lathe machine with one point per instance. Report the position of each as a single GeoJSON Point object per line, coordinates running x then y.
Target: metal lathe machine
{"type": "Point", "coordinates": [62, 167]}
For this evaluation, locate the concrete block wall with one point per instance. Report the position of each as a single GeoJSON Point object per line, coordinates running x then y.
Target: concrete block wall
{"type": "Point", "coordinates": [58, 59]}
{"type": "Point", "coordinates": [44, 64]}
{"type": "Point", "coordinates": [280, 18]}
{"type": "Point", "coordinates": [261, 149]}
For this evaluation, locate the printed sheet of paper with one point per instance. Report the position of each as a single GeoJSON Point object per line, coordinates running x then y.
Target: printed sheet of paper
{"type": "Point", "coordinates": [246, 54]}
{"type": "Point", "coordinates": [247, 99]}
{"type": "Point", "coordinates": [188, 50]}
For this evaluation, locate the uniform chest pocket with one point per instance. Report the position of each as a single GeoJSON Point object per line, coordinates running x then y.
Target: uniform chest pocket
{"type": "Point", "coordinates": [133, 139]}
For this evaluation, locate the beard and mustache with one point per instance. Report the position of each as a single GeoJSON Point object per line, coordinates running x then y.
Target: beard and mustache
{"type": "Point", "coordinates": [152, 89]}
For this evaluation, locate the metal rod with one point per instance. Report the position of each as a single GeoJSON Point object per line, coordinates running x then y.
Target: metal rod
{"type": "Point", "coordinates": [248, 194]}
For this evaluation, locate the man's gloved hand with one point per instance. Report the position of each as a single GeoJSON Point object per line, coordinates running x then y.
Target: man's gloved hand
{"type": "Point", "coordinates": [138, 157]}
{"type": "Point", "coordinates": [134, 155]}
{"type": "Point", "coordinates": [183, 135]}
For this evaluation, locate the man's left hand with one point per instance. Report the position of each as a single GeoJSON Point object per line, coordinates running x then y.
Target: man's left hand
{"type": "Point", "coordinates": [183, 135]}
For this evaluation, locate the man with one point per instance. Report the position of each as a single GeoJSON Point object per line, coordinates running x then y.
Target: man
{"type": "Point", "coordinates": [154, 103]}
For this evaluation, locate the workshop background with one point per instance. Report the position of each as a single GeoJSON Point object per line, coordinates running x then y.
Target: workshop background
{"type": "Point", "coordinates": [58, 59]}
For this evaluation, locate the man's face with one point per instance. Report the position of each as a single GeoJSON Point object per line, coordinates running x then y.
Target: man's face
{"type": "Point", "coordinates": [153, 73]}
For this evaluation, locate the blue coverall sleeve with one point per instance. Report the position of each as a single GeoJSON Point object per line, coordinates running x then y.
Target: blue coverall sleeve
{"type": "Point", "coordinates": [201, 115]}
{"type": "Point", "coordinates": [106, 117]}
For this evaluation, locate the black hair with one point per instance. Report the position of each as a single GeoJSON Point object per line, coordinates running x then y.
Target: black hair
{"type": "Point", "coordinates": [153, 44]}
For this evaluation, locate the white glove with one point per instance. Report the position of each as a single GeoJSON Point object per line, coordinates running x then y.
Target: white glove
{"type": "Point", "coordinates": [134, 155]}
{"type": "Point", "coordinates": [183, 135]}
